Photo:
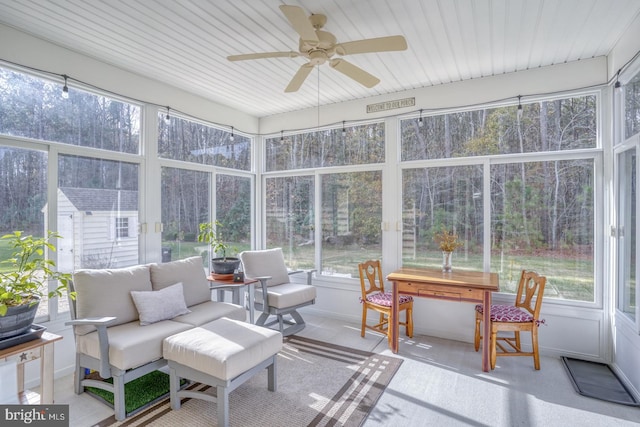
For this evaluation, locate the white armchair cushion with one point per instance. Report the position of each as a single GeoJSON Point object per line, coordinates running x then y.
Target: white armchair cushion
{"type": "Point", "coordinates": [165, 304]}
{"type": "Point", "coordinates": [287, 295]}
{"type": "Point", "coordinates": [269, 262]}
{"type": "Point", "coordinates": [188, 271]}
{"type": "Point", "coordinates": [106, 292]}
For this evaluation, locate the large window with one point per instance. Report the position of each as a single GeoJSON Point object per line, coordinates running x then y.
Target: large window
{"type": "Point", "coordinates": [97, 213]}
{"type": "Point", "coordinates": [627, 150]}
{"type": "Point", "coordinates": [351, 217]}
{"type": "Point", "coordinates": [233, 211]}
{"type": "Point", "coordinates": [196, 142]}
{"type": "Point", "coordinates": [632, 107]}
{"type": "Point", "coordinates": [627, 232]}
{"type": "Point", "coordinates": [542, 219]}
{"type": "Point", "coordinates": [290, 218]}
{"type": "Point", "coordinates": [185, 204]}
{"type": "Point", "coordinates": [23, 196]}
{"type": "Point", "coordinates": [558, 125]}
{"type": "Point", "coordinates": [34, 108]}
{"type": "Point", "coordinates": [352, 145]}
{"type": "Point", "coordinates": [541, 205]}
{"type": "Point", "coordinates": [345, 229]}
{"type": "Point", "coordinates": [437, 199]}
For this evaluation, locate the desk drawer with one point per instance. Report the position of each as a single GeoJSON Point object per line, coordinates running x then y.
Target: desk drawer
{"type": "Point", "coordinates": [452, 293]}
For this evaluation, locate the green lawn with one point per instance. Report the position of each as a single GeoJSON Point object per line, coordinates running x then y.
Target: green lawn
{"type": "Point", "coordinates": [5, 253]}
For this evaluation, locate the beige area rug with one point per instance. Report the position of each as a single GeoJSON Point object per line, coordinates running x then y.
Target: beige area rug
{"type": "Point", "coordinates": [319, 384]}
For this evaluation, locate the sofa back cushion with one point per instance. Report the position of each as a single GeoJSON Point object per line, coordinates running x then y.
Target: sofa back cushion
{"type": "Point", "coordinates": [107, 292]}
{"type": "Point", "coordinates": [269, 262]}
{"type": "Point", "coordinates": [188, 271]}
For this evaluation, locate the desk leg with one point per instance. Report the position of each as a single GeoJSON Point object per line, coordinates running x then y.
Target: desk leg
{"type": "Point", "coordinates": [46, 374]}
{"type": "Point", "coordinates": [393, 320]}
{"type": "Point", "coordinates": [486, 333]}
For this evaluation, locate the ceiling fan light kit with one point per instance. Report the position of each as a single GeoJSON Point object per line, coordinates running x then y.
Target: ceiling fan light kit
{"type": "Point", "coordinates": [320, 46]}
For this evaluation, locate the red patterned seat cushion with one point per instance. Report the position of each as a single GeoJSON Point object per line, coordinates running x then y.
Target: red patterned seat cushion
{"type": "Point", "coordinates": [384, 299]}
{"type": "Point", "coordinates": [508, 313]}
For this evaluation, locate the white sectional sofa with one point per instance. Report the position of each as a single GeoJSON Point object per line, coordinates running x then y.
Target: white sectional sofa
{"type": "Point", "coordinates": [121, 317]}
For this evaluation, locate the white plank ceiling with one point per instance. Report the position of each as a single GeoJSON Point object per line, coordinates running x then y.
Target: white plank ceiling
{"type": "Point", "coordinates": [185, 43]}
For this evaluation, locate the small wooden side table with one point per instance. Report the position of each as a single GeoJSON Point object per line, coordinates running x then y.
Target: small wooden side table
{"type": "Point", "coordinates": [221, 285]}
{"type": "Point", "coordinates": [41, 348]}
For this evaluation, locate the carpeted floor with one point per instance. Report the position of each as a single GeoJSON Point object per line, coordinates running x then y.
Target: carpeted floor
{"type": "Point", "coordinates": [318, 384]}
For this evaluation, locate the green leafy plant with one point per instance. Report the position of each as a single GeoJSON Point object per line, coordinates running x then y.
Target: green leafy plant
{"type": "Point", "coordinates": [210, 234]}
{"type": "Point", "coordinates": [29, 271]}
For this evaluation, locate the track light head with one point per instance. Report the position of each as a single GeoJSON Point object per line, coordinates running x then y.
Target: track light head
{"type": "Point", "coordinates": [420, 121]}
{"type": "Point", "coordinates": [232, 137]}
{"type": "Point", "coordinates": [167, 118]}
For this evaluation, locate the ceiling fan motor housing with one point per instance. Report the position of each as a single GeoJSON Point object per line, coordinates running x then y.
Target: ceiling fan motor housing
{"type": "Point", "coordinates": [319, 52]}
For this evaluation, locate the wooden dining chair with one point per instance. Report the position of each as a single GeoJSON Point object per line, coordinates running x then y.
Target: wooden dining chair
{"type": "Point", "coordinates": [524, 315]}
{"type": "Point", "coordinates": [375, 298]}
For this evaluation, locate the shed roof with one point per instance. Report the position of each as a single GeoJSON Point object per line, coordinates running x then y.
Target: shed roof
{"type": "Point", "coordinates": [100, 199]}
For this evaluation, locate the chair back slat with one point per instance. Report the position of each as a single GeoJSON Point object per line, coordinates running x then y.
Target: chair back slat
{"type": "Point", "coordinates": [371, 277]}
{"type": "Point", "coordinates": [530, 292]}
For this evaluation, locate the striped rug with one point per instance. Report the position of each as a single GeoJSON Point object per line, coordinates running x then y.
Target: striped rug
{"type": "Point", "coordinates": [319, 384]}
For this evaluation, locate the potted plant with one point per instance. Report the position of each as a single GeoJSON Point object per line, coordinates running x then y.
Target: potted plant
{"type": "Point", "coordinates": [26, 281]}
{"type": "Point", "coordinates": [210, 234]}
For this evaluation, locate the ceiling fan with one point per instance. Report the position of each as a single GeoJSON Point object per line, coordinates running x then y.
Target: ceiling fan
{"type": "Point", "coordinates": [321, 46]}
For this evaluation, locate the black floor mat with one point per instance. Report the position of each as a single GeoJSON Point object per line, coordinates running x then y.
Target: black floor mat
{"type": "Point", "coordinates": [597, 380]}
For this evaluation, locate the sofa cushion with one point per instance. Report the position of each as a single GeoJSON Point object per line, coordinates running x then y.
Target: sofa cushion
{"type": "Point", "coordinates": [131, 345]}
{"type": "Point", "coordinates": [106, 292]}
{"type": "Point", "coordinates": [188, 271]}
{"type": "Point", "coordinates": [165, 304]}
{"type": "Point", "coordinates": [269, 262]}
{"type": "Point", "coordinates": [211, 310]}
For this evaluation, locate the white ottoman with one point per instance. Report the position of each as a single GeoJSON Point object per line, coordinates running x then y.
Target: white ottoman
{"type": "Point", "coordinates": [223, 354]}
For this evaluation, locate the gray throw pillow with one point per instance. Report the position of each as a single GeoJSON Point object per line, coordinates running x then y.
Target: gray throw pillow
{"type": "Point", "coordinates": [154, 306]}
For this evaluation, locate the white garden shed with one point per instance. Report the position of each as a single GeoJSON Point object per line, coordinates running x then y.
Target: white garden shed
{"type": "Point", "coordinates": [99, 228]}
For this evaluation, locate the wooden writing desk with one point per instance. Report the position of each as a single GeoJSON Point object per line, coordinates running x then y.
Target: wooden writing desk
{"type": "Point", "coordinates": [464, 286]}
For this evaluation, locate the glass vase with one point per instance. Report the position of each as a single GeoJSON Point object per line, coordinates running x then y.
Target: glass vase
{"type": "Point", "coordinates": [446, 261]}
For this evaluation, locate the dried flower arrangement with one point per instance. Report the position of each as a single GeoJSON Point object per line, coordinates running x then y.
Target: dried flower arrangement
{"type": "Point", "coordinates": [448, 241]}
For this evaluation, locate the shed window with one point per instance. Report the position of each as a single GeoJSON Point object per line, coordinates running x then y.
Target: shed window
{"type": "Point", "coordinates": [122, 227]}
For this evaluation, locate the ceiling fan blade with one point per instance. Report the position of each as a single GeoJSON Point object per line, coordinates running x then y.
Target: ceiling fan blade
{"type": "Point", "coordinates": [246, 56]}
{"type": "Point", "coordinates": [356, 73]}
{"type": "Point", "coordinates": [380, 44]}
{"type": "Point", "coordinates": [300, 22]}
{"type": "Point", "coordinates": [299, 78]}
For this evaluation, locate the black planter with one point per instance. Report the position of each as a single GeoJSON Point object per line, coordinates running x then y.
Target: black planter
{"type": "Point", "coordinates": [225, 265]}
{"type": "Point", "coordinates": [18, 320]}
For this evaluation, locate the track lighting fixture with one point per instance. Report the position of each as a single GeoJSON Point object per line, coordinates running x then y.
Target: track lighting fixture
{"type": "Point", "coordinates": [344, 131]}
{"type": "Point", "coordinates": [65, 88]}
{"type": "Point", "coordinates": [519, 107]}
{"type": "Point", "coordinates": [167, 118]}
{"type": "Point", "coordinates": [281, 136]}
{"type": "Point", "coordinates": [420, 122]}
{"type": "Point", "coordinates": [618, 85]}
{"type": "Point", "coordinates": [231, 138]}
